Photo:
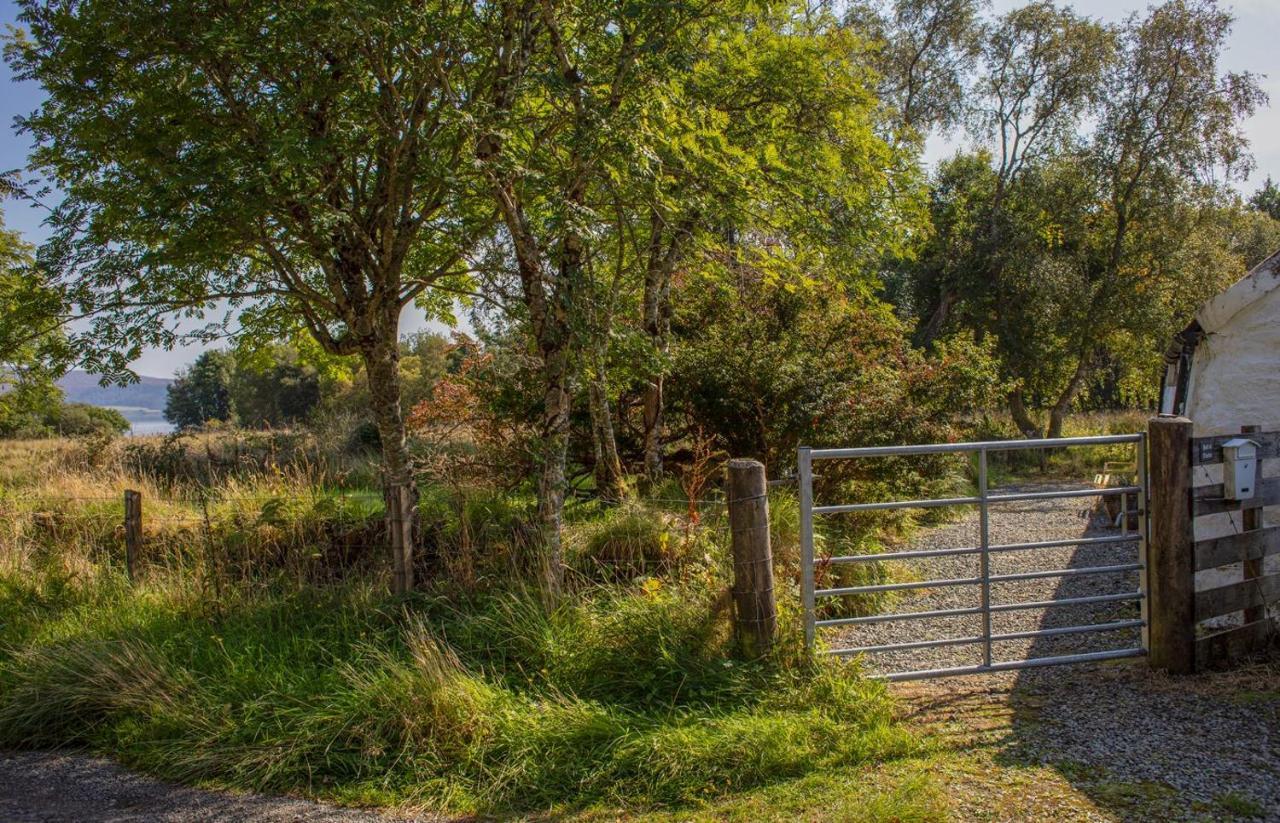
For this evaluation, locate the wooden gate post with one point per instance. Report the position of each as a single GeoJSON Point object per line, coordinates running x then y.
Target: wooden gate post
{"type": "Point", "coordinates": [400, 532]}
{"type": "Point", "coordinates": [132, 531]}
{"type": "Point", "coordinates": [1170, 571]}
{"type": "Point", "coordinates": [755, 610]}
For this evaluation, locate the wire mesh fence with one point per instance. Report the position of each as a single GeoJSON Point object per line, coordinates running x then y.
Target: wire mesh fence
{"type": "Point", "coordinates": [320, 535]}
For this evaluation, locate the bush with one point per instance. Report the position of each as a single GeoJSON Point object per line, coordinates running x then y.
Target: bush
{"type": "Point", "coordinates": [765, 366]}
{"type": "Point", "coordinates": [628, 543]}
{"type": "Point", "coordinates": [81, 419]}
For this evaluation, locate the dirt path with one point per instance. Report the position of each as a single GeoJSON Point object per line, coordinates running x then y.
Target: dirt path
{"type": "Point", "coordinates": [38, 787]}
{"type": "Point", "coordinates": [1104, 741]}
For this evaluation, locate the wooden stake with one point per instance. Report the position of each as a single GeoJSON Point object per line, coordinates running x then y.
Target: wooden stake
{"type": "Point", "coordinates": [1170, 579]}
{"type": "Point", "coordinates": [400, 531]}
{"type": "Point", "coordinates": [756, 611]}
{"type": "Point", "coordinates": [132, 531]}
{"type": "Point", "coordinates": [1251, 519]}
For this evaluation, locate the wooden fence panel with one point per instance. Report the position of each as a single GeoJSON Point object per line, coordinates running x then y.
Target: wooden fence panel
{"type": "Point", "coordinates": [1235, 548]}
{"type": "Point", "coordinates": [1208, 450]}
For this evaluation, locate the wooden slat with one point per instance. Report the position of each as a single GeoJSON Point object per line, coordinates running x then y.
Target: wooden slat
{"type": "Point", "coordinates": [1235, 548]}
{"type": "Point", "coordinates": [1208, 499]}
{"type": "Point", "coordinates": [1226, 647]}
{"type": "Point", "coordinates": [1235, 597]}
{"type": "Point", "coordinates": [1208, 450]}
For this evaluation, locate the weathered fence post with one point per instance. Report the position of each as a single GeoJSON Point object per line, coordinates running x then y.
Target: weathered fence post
{"type": "Point", "coordinates": [400, 532]}
{"type": "Point", "coordinates": [132, 531]}
{"type": "Point", "coordinates": [1170, 571]}
{"type": "Point", "coordinates": [1251, 520]}
{"type": "Point", "coordinates": [755, 610]}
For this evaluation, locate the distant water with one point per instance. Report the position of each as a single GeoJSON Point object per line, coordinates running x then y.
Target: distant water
{"type": "Point", "coordinates": [150, 427]}
{"type": "Point", "coordinates": [144, 421]}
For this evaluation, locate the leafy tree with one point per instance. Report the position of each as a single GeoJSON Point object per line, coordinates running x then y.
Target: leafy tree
{"type": "Point", "coordinates": [28, 370]}
{"type": "Point", "coordinates": [80, 419]}
{"type": "Point", "coordinates": [927, 50]}
{"type": "Point", "coordinates": [272, 386]}
{"type": "Point", "coordinates": [1171, 121]}
{"type": "Point", "coordinates": [296, 164]}
{"type": "Point", "coordinates": [202, 392]}
{"type": "Point", "coordinates": [1067, 246]}
{"type": "Point", "coordinates": [572, 104]}
{"type": "Point", "coordinates": [1267, 199]}
{"type": "Point", "coordinates": [779, 162]}
{"type": "Point", "coordinates": [1040, 68]}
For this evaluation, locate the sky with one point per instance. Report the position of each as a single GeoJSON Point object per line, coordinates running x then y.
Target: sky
{"type": "Point", "coordinates": [1252, 47]}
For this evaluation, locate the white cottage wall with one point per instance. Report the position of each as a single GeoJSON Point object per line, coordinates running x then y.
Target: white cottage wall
{"type": "Point", "coordinates": [1235, 381]}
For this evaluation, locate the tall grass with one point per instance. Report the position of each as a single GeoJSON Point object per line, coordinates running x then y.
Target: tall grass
{"type": "Point", "coordinates": [246, 656]}
{"type": "Point", "coordinates": [612, 697]}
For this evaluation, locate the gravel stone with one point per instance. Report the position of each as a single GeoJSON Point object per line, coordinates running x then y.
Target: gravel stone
{"type": "Point", "coordinates": [1203, 736]}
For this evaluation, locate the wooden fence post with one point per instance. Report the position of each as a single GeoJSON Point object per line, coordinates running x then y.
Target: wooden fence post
{"type": "Point", "coordinates": [1170, 572]}
{"type": "Point", "coordinates": [1251, 520]}
{"type": "Point", "coordinates": [400, 532]}
{"type": "Point", "coordinates": [132, 531]}
{"type": "Point", "coordinates": [755, 610]}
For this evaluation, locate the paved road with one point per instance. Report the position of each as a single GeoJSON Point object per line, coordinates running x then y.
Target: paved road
{"type": "Point", "coordinates": [38, 787]}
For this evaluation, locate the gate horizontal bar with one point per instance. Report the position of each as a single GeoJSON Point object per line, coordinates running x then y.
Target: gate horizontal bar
{"type": "Point", "coordinates": [1087, 657]}
{"type": "Point", "coordinates": [989, 445]}
{"type": "Point", "coordinates": [866, 558]}
{"type": "Point", "coordinates": [1068, 601]}
{"type": "Point", "coordinates": [1113, 626]}
{"type": "Point", "coordinates": [893, 587]}
{"type": "Point", "coordinates": [1059, 495]}
{"type": "Point", "coordinates": [916, 644]}
{"type": "Point", "coordinates": [898, 504]}
{"type": "Point", "coordinates": [1117, 625]}
{"type": "Point", "coordinates": [1123, 567]}
{"type": "Point", "coordinates": [933, 503]}
{"type": "Point", "coordinates": [1070, 541]}
{"type": "Point", "coordinates": [961, 612]}
{"type": "Point", "coordinates": [885, 618]}
{"type": "Point", "coordinates": [999, 547]}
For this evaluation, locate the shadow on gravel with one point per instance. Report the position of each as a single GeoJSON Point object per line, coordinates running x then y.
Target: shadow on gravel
{"type": "Point", "coordinates": [1138, 743]}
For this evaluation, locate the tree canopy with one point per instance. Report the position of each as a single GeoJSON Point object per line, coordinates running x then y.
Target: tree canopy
{"type": "Point", "coordinates": [662, 217]}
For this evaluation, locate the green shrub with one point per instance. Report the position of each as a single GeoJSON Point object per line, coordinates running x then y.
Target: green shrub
{"type": "Point", "coordinates": [628, 543]}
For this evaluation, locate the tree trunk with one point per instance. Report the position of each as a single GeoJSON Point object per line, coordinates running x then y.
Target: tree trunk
{"type": "Point", "coordinates": [653, 401]}
{"type": "Point", "coordinates": [611, 482]}
{"type": "Point", "coordinates": [1021, 418]}
{"type": "Point", "coordinates": [657, 324]}
{"type": "Point", "coordinates": [1058, 414]}
{"type": "Point", "coordinates": [938, 318]}
{"type": "Point", "coordinates": [554, 436]}
{"type": "Point", "coordinates": [382, 367]}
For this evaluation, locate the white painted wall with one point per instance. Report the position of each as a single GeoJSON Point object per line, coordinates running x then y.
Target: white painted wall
{"type": "Point", "coordinates": [1235, 372]}
{"type": "Point", "coordinates": [1235, 381]}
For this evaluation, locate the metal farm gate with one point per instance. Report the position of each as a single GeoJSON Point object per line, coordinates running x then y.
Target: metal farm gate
{"type": "Point", "coordinates": [984, 579]}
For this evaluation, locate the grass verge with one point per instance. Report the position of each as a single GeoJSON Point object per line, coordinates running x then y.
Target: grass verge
{"type": "Point", "coordinates": [615, 697]}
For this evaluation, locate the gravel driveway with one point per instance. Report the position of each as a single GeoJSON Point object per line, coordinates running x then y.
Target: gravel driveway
{"type": "Point", "coordinates": [1199, 739]}
{"type": "Point", "coordinates": [1013, 522]}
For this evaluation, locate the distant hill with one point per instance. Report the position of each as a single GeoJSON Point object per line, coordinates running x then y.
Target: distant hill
{"type": "Point", "coordinates": [82, 387]}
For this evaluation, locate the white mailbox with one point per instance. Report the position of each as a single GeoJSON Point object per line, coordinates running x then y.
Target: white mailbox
{"type": "Point", "coordinates": [1239, 468]}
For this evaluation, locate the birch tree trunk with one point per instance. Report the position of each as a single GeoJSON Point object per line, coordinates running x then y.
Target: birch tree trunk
{"type": "Point", "coordinates": [611, 482]}
{"type": "Point", "coordinates": [382, 368]}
